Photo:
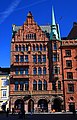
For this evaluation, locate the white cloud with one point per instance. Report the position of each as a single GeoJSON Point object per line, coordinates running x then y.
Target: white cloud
{"type": "Point", "coordinates": [9, 10]}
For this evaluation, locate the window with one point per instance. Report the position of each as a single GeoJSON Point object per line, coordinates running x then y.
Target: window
{"type": "Point", "coordinates": [54, 57]}
{"type": "Point", "coordinates": [34, 59]}
{"type": "Point", "coordinates": [39, 85]}
{"type": "Point", "coordinates": [56, 70]}
{"type": "Point", "coordinates": [34, 71]}
{"type": "Point", "coordinates": [21, 58]}
{"type": "Point", "coordinates": [44, 47]}
{"type": "Point", "coordinates": [16, 86]}
{"type": "Point", "coordinates": [16, 47]}
{"type": "Point", "coordinates": [19, 47]}
{"type": "Point", "coordinates": [45, 85]}
{"type": "Point", "coordinates": [21, 86]}
{"type": "Point", "coordinates": [69, 75]}
{"type": "Point", "coordinates": [31, 36]}
{"type": "Point", "coordinates": [44, 70]}
{"type": "Point", "coordinates": [40, 47]}
{"type": "Point", "coordinates": [55, 46]}
{"type": "Point", "coordinates": [53, 85]}
{"type": "Point", "coordinates": [44, 58]}
{"type": "Point", "coordinates": [37, 47]}
{"type": "Point", "coordinates": [16, 71]}
{"type": "Point", "coordinates": [26, 58]}
{"type": "Point", "coordinates": [26, 48]}
{"type": "Point", "coordinates": [26, 85]}
{"type": "Point", "coordinates": [59, 85]}
{"type": "Point", "coordinates": [70, 87]}
{"type": "Point", "coordinates": [17, 58]}
{"type": "Point", "coordinates": [26, 70]}
{"type": "Point", "coordinates": [68, 53]}
{"type": "Point", "coordinates": [33, 48]}
{"type": "Point", "coordinates": [39, 71]}
{"type": "Point", "coordinates": [34, 85]}
{"type": "Point", "coordinates": [23, 48]}
{"type": "Point", "coordinates": [21, 71]}
{"type": "Point", "coordinates": [39, 58]}
{"type": "Point", "coordinates": [5, 82]}
{"type": "Point", "coordinates": [4, 93]}
{"type": "Point", "coordinates": [69, 63]}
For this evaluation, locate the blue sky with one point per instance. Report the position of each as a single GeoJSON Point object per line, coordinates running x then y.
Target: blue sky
{"type": "Point", "coordinates": [15, 12]}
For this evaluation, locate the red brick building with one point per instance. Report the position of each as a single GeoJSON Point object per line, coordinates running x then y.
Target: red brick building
{"type": "Point", "coordinates": [43, 68]}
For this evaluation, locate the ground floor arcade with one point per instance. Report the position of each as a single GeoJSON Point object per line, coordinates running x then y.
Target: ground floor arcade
{"type": "Point", "coordinates": [37, 103]}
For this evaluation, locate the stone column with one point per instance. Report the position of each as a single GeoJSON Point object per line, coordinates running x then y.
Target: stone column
{"type": "Point", "coordinates": [35, 107]}
{"type": "Point", "coordinates": [49, 107]}
{"type": "Point", "coordinates": [26, 107]}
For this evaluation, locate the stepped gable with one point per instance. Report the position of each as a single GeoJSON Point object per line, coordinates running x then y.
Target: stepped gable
{"type": "Point", "coordinates": [28, 28]}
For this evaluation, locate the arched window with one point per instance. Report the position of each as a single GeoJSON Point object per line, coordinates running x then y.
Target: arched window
{"type": "Point", "coordinates": [40, 47]}
{"type": "Point", "coordinates": [39, 85]}
{"type": "Point", "coordinates": [19, 47]}
{"type": "Point", "coordinates": [26, 85]}
{"type": "Point", "coordinates": [21, 85]}
{"type": "Point", "coordinates": [37, 47]}
{"type": "Point", "coordinates": [16, 47]}
{"type": "Point", "coordinates": [23, 47]}
{"type": "Point", "coordinates": [45, 85]}
{"type": "Point", "coordinates": [34, 85]}
{"type": "Point", "coordinates": [16, 86]}
{"type": "Point", "coordinates": [33, 48]}
{"type": "Point", "coordinates": [34, 71]}
{"type": "Point", "coordinates": [44, 47]}
{"type": "Point", "coordinates": [39, 71]}
{"type": "Point", "coordinates": [44, 70]}
{"type": "Point", "coordinates": [59, 85]}
{"type": "Point", "coordinates": [26, 48]}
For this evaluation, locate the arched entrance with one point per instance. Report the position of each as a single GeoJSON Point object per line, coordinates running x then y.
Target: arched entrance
{"type": "Point", "coordinates": [57, 105]}
{"type": "Point", "coordinates": [43, 105]}
{"type": "Point", "coordinates": [19, 104]}
{"type": "Point", "coordinates": [31, 106]}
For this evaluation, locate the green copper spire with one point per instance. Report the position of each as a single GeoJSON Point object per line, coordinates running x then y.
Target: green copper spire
{"type": "Point", "coordinates": [53, 17]}
{"type": "Point", "coordinates": [55, 33]}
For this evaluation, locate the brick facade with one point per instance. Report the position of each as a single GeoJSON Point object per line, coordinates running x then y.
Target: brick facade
{"type": "Point", "coordinates": [38, 77]}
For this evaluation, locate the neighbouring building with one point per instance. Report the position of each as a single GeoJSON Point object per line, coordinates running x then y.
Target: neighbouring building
{"type": "Point", "coordinates": [4, 88]}
{"type": "Point", "coordinates": [43, 73]}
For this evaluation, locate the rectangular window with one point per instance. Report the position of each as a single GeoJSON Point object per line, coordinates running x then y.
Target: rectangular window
{"type": "Point", "coordinates": [16, 71]}
{"type": "Point", "coordinates": [34, 59]}
{"type": "Point", "coordinates": [26, 71]}
{"type": "Point", "coordinates": [21, 58]}
{"type": "Point", "coordinates": [69, 75]}
{"type": "Point", "coordinates": [54, 57]}
{"type": "Point", "coordinates": [21, 71]}
{"type": "Point", "coordinates": [70, 87]}
{"type": "Point", "coordinates": [69, 63]}
{"type": "Point", "coordinates": [39, 58]}
{"type": "Point", "coordinates": [17, 58]}
{"type": "Point", "coordinates": [53, 86]}
{"type": "Point", "coordinates": [26, 85]}
{"type": "Point", "coordinates": [55, 46]}
{"type": "Point", "coordinates": [44, 58]}
{"type": "Point", "coordinates": [26, 58]}
{"type": "Point", "coordinates": [68, 53]}
{"type": "Point", "coordinates": [4, 93]}
{"type": "Point", "coordinates": [56, 70]}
